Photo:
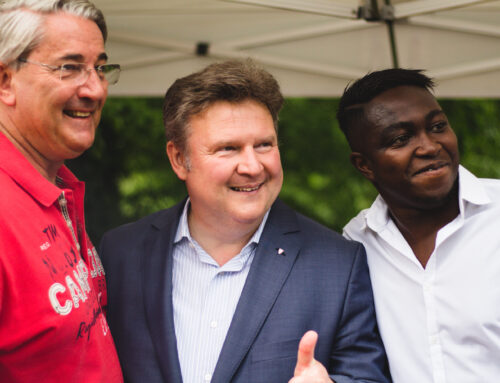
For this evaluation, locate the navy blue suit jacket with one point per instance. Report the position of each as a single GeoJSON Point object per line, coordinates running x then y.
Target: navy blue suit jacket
{"type": "Point", "coordinates": [320, 283]}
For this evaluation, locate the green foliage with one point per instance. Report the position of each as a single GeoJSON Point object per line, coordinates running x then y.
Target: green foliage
{"type": "Point", "coordinates": [319, 180]}
{"type": "Point", "coordinates": [127, 172]}
{"type": "Point", "coordinates": [477, 125]}
{"type": "Point", "coordinates": [128, 175]}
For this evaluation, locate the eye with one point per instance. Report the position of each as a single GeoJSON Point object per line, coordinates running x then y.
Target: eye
{"type": "Point", "coordinates": [439, 126]}
{"type": "Point", "coordinates": [103, 70]}
{"type": "Point", "coordinates": [263, 146]}
{"type": "Point", "coordinates": [70, 70]}
{"type": "Point", "coordinates": [71, 67]}
{"type": "Point", "coordinates": [399, 141]}
{"type": "Point", "coordinates": [227, 148]}
{"type": "Point", "coordinates": [108, 72]}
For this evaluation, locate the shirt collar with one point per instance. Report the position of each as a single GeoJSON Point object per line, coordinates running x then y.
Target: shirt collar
{"type": "Point", "coordinates": [470, 192]}
{"type": "Point", "coordinates": [16, 166]}
{"type": "Point", "coordinates": [237, 263]}
{"type": "Point", "coordinates": [377, 216]}
{"type": "Point", "coordinates": [470, 189]}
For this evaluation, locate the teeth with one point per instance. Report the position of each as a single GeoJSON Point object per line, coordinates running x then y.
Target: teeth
{"type": "Point", "coordinates": [432, 168]}
{"type": "Point", "coordinates": [75, 113]}
{"type": "Point", "coordinates": [429, 169]}
{"type": "Point", "coordinates": [245, 189]}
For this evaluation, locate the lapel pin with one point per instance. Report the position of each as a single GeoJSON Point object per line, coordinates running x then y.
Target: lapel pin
{"type": "Point", "coordinates": [280, 251]}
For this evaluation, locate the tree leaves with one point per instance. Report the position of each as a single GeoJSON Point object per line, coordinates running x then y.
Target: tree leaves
{"type": "Point", "coordinates": [128, 174]}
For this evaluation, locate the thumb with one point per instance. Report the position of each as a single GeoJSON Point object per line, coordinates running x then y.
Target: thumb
{"type": "Point", "coordinates": [305, 356]}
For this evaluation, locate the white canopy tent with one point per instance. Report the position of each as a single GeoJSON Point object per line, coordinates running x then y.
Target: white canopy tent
{"type": "Point", "coordinates": [313, 47]}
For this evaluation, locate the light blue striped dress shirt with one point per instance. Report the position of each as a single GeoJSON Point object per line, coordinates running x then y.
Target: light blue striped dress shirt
{"type": "Point", "coordinates": [205, 296]}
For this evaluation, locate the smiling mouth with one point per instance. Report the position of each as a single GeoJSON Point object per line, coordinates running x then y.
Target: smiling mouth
{"type": "Point", "coordinates": [77, 114]}
{"type": "Point", "coordinates": [430, 168]}
{"type": "Point", "coordinates": [238, 189]}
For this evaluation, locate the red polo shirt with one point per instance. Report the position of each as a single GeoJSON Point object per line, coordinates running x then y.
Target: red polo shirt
{"type": "Point", "coordinates": [52, 327]}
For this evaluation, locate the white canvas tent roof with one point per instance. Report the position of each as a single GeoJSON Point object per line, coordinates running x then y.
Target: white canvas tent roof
{"type": "Point", "coordinates": [313, 47]}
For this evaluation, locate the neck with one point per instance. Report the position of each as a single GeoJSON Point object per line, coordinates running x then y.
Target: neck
{"type": "Point", "coordinates": [221, 242]}
{"type": "Point", "coordinates": [44, 166]}
{"type": "Point", "coordinates": [420, 226]}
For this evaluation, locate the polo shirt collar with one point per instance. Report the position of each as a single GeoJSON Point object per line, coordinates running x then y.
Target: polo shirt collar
{"type": "Point", "coordinates": [16, 166]}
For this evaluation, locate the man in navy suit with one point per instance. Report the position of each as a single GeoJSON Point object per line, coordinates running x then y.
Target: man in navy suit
{"type": "Point", "coordinates": [225, 286]}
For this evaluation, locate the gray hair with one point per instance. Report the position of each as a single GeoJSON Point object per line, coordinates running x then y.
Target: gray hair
{"type": "Point", "coordinates": [21, 23]}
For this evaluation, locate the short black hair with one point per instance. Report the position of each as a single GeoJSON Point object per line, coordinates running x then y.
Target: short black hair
{"type": "Point", "coordinates": [351, 113]}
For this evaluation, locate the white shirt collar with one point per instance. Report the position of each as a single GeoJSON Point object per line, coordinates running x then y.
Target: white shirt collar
{"type": "Point", "coordinates": [470, 192]}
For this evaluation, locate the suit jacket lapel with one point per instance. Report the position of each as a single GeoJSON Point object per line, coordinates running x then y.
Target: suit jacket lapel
{"type": "Point", "coordinates": [267, 275]}
{"type": "Point", "coordinates": [157, 286]}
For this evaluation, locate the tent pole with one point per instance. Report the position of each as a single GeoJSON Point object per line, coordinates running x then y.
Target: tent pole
{"type": "Point", "coordinates": [392, 40]}
{"type": "Point", "coordinates": [388, 16]}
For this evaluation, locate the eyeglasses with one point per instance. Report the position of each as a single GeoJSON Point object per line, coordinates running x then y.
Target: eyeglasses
{"type": "Point", "coordinates": [79, 72]}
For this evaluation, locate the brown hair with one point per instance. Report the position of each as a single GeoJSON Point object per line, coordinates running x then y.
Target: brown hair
{"type": "Point", "coordinates": [233, 81]}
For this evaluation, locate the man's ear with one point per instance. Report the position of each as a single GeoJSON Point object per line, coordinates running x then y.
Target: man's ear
{"type": "Point", "coordinates": [362, 164]}
{"type": "Point", "coordinates": [7, 94]}
{"type": "Point", "coordinates": [178, 160]}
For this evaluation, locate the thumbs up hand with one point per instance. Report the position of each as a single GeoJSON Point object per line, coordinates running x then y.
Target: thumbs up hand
{"type": "Point", "coordinates": [308, 369]}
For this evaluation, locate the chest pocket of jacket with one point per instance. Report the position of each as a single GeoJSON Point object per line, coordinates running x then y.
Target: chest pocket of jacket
{"type": "Point", "coordinates": [274, 361]}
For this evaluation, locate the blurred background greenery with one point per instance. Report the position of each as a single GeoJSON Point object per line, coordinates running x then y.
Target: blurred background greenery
{"type": "Point", "coordinates": [127, 173]}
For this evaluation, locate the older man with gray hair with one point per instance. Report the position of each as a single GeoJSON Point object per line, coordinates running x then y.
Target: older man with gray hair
{"type": "Point", "coordinates": [53, 83]}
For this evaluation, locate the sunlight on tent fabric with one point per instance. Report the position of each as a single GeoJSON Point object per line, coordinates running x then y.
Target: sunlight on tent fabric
{"type": "Point", "coordinates": [313, 47]}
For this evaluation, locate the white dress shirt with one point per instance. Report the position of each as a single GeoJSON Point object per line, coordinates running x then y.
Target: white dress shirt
{"type": "Point", "coordinates": [440, 324]}
{"type": "Point", "coordinates": [205, 296]}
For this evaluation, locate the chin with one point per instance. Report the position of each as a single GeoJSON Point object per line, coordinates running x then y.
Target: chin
{"type": "Point", "coordinates": [81, 142]}
{"type": "Point", "coordinates": [249, 217]}
{"type": "Point", "coordinates": [436, 200]}
{"type": "Point", "coordinates": [74, 151]}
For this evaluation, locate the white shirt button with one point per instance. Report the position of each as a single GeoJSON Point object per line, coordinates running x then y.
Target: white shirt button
{"type": "Point", "coordinates": [213, 324]}
{"type": "Point", "coordinates": [207, 377]}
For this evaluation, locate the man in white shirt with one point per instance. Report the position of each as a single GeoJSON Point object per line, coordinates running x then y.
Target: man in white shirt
{"type": "Point", "coordinates": [430, 236]}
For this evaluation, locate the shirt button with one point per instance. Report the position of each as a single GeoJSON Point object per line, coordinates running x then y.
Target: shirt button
{"type": "Point", "coordinates": [213, 324]}
{"type": "Point", "coordinates": [427, 288]}
{"type": "Point", "coordinates": [208, 377]}
{"type": "Point", "coordinates": [434, 339]}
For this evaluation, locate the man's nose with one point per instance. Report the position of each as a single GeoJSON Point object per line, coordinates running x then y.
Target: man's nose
{"type": "Point", "coordinates": [94, 87]}
{"type": "Point", "coordinates": [427, 145]}
{"type": "Point", "coordinates": [249, 162]}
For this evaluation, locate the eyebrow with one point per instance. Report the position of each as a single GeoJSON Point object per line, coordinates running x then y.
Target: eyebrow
{"type": "Point", "coordinates": [406, 124]}
{"type": "Point", "coordinates": [235, 142]}
{"type": "Point", "coordinates": [433, 113]}
{"type": "Point", "coordinates": [78, 57]}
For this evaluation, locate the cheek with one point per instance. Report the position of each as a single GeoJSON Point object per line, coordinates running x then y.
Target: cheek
{"type": "Point", "coordinates": [278, 174]}
{"type": "Point", "coordinates": [273, 164]}
{"type": "Point", "coordinates": [390, 161]}
{"type": "Point", "coordinates": [220, 171]}
{"type": "Point", "coordinates": [451, 146]}
{"type": "Point", "coordinates": [55, 93]}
